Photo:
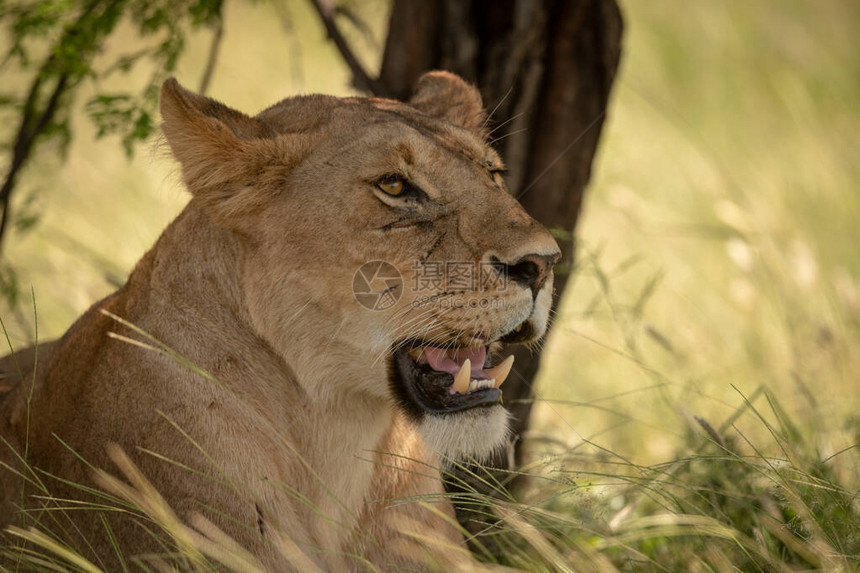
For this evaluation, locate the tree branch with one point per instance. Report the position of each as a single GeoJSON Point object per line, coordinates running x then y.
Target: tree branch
{"type": "Point", "coordinates": [361, 79]}
{"type": "Point", "coordinates": [27, 135]}
{"type": "Point", "coordinates": [31, 127]}
{"type": "Point", "coordinates": [214, 50]}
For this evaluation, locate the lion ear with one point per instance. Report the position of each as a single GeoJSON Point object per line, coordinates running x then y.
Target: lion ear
{"type": "Point", "coordinates": [181, 108]}
{"type": "Point", "coordinates": [449, 97]}
{"type": "Point", "coordinates": [230, 161]}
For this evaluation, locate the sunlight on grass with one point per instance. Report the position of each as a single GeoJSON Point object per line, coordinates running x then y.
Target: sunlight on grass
{"type": "Point", "coordinates": [719, 241]}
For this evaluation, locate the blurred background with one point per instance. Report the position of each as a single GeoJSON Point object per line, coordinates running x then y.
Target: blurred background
{"type": "Point", "coordinates": [718, 263]}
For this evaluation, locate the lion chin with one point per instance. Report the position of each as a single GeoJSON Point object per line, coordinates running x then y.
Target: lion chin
{"type": "Point", "coordinates": [475, 434]}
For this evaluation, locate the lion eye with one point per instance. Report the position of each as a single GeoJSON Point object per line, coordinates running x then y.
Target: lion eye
{"type": "Point", "coordinates": [392, 186]}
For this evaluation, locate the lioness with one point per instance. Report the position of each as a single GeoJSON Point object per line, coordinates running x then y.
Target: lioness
{"type": "Point", "coordinates": [338, 349]}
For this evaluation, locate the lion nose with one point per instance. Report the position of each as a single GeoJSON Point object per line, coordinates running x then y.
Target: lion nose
{"type": "Point", "coordinates": [531, 271]}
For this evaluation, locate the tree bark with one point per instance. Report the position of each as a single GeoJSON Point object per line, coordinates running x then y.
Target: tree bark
{"type": "Point", "coordinates": [545, 69]}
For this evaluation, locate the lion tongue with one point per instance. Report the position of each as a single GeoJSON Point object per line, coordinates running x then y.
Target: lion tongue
{"type": "Point", "coordinates": [451, 360]}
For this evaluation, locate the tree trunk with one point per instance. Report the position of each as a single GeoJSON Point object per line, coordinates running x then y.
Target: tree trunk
{"type": "Point", "coordinates": [545, 69]}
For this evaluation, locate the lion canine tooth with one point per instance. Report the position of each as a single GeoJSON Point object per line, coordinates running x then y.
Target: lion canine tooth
{"type": "Point", "coordinates": [461, 379]}
{"type": "Point", "coordinates": [501, 371]}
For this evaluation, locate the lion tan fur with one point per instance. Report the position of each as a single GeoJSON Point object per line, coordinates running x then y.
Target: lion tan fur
{"type": "Point", "coordinates": [294, 433]}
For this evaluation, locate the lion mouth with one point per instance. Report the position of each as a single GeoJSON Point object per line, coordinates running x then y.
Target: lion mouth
{"type": "Point", "coordinates": [434, 380]}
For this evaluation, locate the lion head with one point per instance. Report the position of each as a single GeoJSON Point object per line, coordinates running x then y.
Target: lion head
{"type": "Point", "coordinates": [382, 256]}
